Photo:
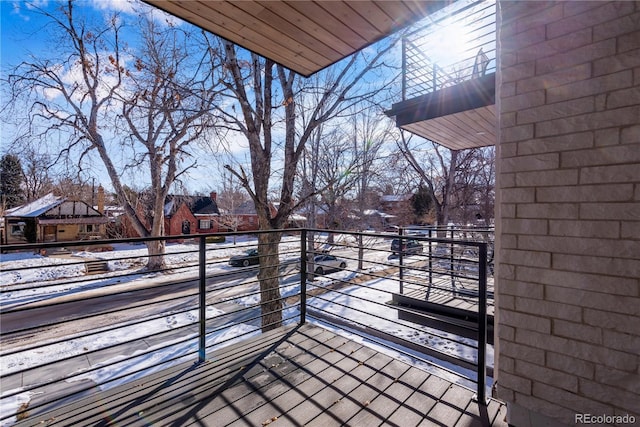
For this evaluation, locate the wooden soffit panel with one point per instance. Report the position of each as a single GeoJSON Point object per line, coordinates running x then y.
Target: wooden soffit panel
{"type": "Point", "coordinates": [466, 129]}
{"type": "Point", "coordinates": [304, 35]}
{"type": "Point", "coordinates": [460, 116]}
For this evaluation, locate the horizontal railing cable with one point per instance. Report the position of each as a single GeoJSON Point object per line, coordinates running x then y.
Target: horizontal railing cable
{"type": "Point", "coordinates": [447, 268]}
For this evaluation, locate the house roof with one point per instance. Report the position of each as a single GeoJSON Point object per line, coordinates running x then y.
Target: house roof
{"type": "Point", "coordinates": [375, 212]}
{"type": "Point", "coordinates": [53, 208]}
{"type": "Point", "coordinates": [198, 205]}
{"type": "Point", "coordinates": [396, 197]}
{"type": "Point", "coordinates": [246, 208]}
{"type": "Point", "coordinates": [36, 208]}
{"type": "Point", "coordinates": [205, 206]}
{"type": "Point", "coordinates": [305, 35]}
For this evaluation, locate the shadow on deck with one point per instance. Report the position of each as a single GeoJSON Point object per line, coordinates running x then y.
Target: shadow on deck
{"type": "Point", "coordinates": [303, 375]}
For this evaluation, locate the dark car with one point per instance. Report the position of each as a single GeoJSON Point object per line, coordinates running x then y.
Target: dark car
{"type": "Point", "coordinates": [409, 246]}
{"type": "Point", "coordinates": [250, 257]}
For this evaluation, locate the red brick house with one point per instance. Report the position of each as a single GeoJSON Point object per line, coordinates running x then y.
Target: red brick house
{"type": "Point", "coordinates": [186, 215]}
{"type": "Point", "coordinates": [243, 218]}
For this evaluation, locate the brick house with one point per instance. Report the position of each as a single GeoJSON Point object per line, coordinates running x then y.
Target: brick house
{"type": "Point", "coordinates": [191, 214]}
{"type": "Point", "coordinates": [185, 215]}
{"type": "Point", "coordinates": [243, 217]}
{"type": "Point", "coordinates": [178, 217]}
{"type": "Point", "coordinates": [207, 214]}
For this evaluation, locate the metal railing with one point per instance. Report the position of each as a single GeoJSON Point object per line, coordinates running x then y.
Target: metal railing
{"type": "Point", "coordinates": [456, 45]}
{"type": "Point", "coordinates": [67, 330]}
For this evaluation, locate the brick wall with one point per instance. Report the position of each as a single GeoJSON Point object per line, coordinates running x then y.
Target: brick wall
{"type": "Point", "coordinates": [569, 209]}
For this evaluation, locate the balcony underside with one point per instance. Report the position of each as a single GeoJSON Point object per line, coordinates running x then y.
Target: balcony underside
{"type": "Point", "coordinates": [459, 117]}
{"type": "Point", "coordinates": [291, 376]}
{"type": "Point", "coordinates": [304, 36]}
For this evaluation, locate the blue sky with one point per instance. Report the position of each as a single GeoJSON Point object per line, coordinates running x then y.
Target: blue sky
{"type": "Point", "coordinates": [24, 32]}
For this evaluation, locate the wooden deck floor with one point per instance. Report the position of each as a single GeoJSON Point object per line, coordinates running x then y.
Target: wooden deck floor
{"type": "Point", "coordinates": [292, 376]}
{"type": "Point", "coordinates": [464, 296]}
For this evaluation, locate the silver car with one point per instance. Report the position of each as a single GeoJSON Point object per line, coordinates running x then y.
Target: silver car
{"type": "Point", "coordinates": [326, 263]}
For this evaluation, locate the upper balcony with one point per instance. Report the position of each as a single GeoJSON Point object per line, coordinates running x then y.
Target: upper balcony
{"type": "Point", "coordinates": [448, 77]}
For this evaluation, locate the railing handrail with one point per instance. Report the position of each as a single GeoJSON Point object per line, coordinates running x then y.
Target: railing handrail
{"type": "Point", "coordinates": [410, 274]}
{"type": "Point", "coordinates": [425, 75]}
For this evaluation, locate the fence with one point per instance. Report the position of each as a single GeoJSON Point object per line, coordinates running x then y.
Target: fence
{"type": "Point", "coordinates": [456, 45]}
{"type": "Point", "coordinates": [68, 329]}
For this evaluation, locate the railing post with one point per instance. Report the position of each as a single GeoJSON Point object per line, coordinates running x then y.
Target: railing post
{"type": "Point", "coordinates": [202, 298]}
{"type": "Point", "coordinates": [400, 259]}
{"type": "Point", "coordinates": [303, 277]}
{"type": "Point", "coordinates": [430, 264]}
{"type": "Point", "coordinates": [360, 252]}
{"type": "Point", "coordinates": [404, 68]}
{"type": "Point", "coordinates": [451, 262]}
{"type": "Point", "coordinates": [435, 77]}
{"type": "Point", "coordinates": [482, 324]}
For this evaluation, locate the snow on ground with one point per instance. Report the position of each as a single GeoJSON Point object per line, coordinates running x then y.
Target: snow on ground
{"type": "Point", "coordinates": [368, 299]}
{"type": "Point", "coordinates": [54, 276]}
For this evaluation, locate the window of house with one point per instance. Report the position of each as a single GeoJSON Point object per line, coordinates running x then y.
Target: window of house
{"type": "Point", "coordinates": [205, 224]}
{"type": "Point", "coordinates": [17, 230]}
{"type": "Point", "coordinates": [86, 228]}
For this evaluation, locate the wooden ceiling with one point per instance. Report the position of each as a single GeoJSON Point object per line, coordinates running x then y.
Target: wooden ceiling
{"type": "Point", "coordinates": [303, 35]}
{"type": "Point", "coordinates": [466, 129]}
{"type": "Point", "coordinates": [459, 116]}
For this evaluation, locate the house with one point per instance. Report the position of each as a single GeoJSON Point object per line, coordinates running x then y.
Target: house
{"type": "Point", "coordinates": [243, 217]}
{"type": "Point", "coordinates": [191, 214]}
{"type": "Point", "coordinates": [53, 219]}
{"type": "Point", "coordinates": [185, 215]}
{"type": "Point", "coordinates": [207, 213]}
{"type": "Point", "coordinates": [400, 207]}
{"type": "Point", "coordinates": [374, 219]}
{"type": "Point", "coordinates": [178, 217]}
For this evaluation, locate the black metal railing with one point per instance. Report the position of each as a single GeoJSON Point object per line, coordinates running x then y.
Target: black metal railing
{"type": "Point", "coordinates": [68, 330]}
{"type": "Point", "coordinates": [456, 45]}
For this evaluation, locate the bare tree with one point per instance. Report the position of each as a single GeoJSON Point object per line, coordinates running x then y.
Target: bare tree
{"type": "Point", "coordinates": [269, 121]}
{"type": "Point", "coordinates": [229, 199]}
{"type": "Point", "coordinates": [439, 169]}
{"type": "Point", "coordinates": [101, 97]}
{"type": "Point", "coordinates": [475, 188]}
{"type": "Point", "coordinates": [371, 131]}
{"type": "Point", "coordinates": [36, 177]}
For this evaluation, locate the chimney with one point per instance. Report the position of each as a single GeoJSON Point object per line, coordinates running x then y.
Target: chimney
{"type": "Point", "coordinates": [101, 199]}
{"type": "Point", "coordinates": [214, 196]}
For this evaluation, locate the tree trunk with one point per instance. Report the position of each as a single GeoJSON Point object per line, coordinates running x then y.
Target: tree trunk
{"type": "Point", "coordinates": [271, 301]}
{"type": "Point", "coordinates": [156, 255]}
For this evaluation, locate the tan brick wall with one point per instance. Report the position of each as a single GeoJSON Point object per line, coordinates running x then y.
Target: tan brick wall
{"type": "Point", "coordinates": [569, 209]}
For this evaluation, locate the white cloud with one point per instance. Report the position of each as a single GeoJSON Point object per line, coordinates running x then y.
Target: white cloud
{"type": "Point", "coordinates": [126, 6]}
{"type": "Point", "coordinates": [131, 7]}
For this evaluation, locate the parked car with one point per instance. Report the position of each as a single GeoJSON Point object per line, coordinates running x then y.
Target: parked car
{"type": "Point", "coordinates": [409, 246]}
{"type": "Point", "coordinates": [250, 257]}
{"type": "Point", "coordinates": [326, 263]}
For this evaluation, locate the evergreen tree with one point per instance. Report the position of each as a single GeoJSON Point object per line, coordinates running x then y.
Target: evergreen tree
{"type": "Point", "coordinates": [11, 181]}
{"type": "Point", "coordinates": [421, 201]}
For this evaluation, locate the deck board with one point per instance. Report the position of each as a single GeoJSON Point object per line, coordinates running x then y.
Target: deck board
{"type": "Point", "coordinates": [291, 376]}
